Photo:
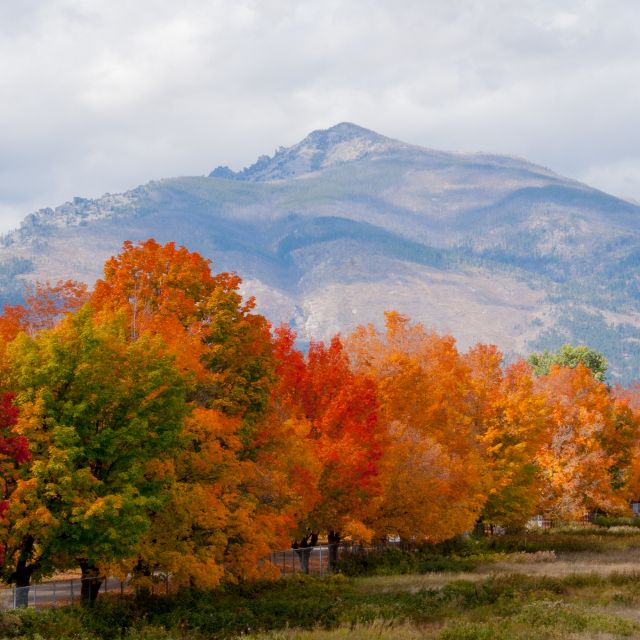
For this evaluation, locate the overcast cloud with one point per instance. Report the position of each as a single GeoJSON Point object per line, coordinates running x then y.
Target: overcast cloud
{"type": "Point", "coordinates": [103, 95]}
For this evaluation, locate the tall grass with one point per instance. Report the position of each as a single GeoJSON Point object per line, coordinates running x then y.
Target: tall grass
{"type": "Point", "coordinates": [393, 602]}
{"type": "Point", "coordinates": [505, 606]}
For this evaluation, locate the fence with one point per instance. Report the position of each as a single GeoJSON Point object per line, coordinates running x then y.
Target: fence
{"type": "Point", "coordinates": [540, 522]}
{"type": "Point", "coordinates": [316, 560]}
{"type": "Point", "coordinates": [54, 593]}
{"type": "Point", "coordinates": [312, 560]}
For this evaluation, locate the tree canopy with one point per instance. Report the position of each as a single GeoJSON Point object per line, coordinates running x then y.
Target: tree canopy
{"type": "Point", "coordinates": [157, 424]}
{"type": "Point", "coordinates": [570, 356]}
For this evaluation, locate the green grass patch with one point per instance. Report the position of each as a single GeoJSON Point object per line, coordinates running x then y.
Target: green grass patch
{"type": "Point", "coordinates": [542, 619]}
{"type": "Point", "coordinates": [508, 606]}
{"type": "Point", "coordinates": [467, 553]}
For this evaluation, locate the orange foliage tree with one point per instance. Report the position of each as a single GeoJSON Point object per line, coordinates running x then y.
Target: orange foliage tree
{"type": "Point", "coordinates": [512, 422]}
{"type": "Point", "coordinates": [43, 306]}
{"type": "Point", "coordinates": [588, 462]}
{"type": "Point", "coordinates": [229, 506]}
{"type": "Point", "coordinates": [433, 473]}
{"type": "Point", "coordinates": [631, 394]}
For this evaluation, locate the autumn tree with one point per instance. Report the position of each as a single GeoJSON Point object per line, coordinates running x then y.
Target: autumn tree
{"type": "Point", "coordinates": [228, 503]}
{"type": "Point", "coordinates": [14, 451]}
{"type": "Point", "coordinates": [201, 317]}
{"type": "Point", "coordinates": [432, 468]}
{"type": "Point", "coordinates": [340, 410]}
{"type": "Point", "coordinates": [512, 422]}
{"type": "Point", "coordinates": [587, 463]}
{"type": "Point", "coordinates": [630, 394]}
{"type": "Point", "coordinates": [44, 304]}
{"type": "Point", "coordinates": [97, 410]}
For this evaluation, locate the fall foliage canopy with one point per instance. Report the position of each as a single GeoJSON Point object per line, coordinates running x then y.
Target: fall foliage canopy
{"type": "Point", "coordinates": [158, 424]}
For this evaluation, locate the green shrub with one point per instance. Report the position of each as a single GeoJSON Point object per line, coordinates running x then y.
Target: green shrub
{"type": "Point", "coordinates": [425, 559]}
{"type": "Point", "coordinates": [109, 617]}
{"type": "Point", "coordinates": [547, 541]}
{"type": "Point", "coordinates": [610, 521]}
{"type": "Point", "coordinates": [61, 624]}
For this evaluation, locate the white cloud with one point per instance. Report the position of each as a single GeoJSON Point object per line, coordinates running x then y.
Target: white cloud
{"type": "Point", "coordinates": [621, 177]}
{"type": "Point", "coordinates": [103, 95]}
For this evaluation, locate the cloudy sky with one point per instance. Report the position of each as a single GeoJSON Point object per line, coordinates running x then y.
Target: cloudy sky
{"type": "Point", "coordinates": [102, 95]}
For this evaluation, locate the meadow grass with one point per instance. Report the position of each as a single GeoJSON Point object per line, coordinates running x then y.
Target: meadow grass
{"type": "Point", "coordinates": [502, 591]}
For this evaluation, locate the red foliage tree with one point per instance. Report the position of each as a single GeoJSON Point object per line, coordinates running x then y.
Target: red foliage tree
{"type": "Point", "coordinates": [340, 409]}
{"type": "Point", "coordinates": [14, 450]}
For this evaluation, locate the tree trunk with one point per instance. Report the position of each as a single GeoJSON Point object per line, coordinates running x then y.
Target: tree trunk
{"type": "Point", "coordinates": [303, 550]}
{"type": "Point", "coordinates": [91, 581]}
{"type": "Point", "coordinates": [142, 579]}
{"type": "Point", "coordinates": [303, 553]}
{"type": "Point", "coordinates": [334, 542]}
{"type": "Point", "coordinates": [22, 575]}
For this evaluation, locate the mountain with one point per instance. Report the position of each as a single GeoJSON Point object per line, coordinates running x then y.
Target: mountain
{"type": "Point", "coordinates": [330, 232]}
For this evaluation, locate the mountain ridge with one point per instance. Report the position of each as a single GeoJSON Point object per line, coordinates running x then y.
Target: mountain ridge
{"type": "Point", "coordinates": [344, 132]}
{"type": "Point", "coordinates": [345, 223]}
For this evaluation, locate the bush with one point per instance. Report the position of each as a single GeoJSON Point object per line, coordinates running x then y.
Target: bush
{"type": "Point", "coordinates": [587, 540]}
{"type": "Point", "coordinates": [392, 561]}
{"type": "Point", "coordinates": [610, 521]}
{"type": "Point", "coordinates": [109, 617]}
{"type": "Point", "coordinates": [61, 624]}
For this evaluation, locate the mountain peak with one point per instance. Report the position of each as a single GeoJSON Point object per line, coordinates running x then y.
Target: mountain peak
{"type": "Point", "coordinates": [322, 148]}
{"type": "Point", "coordinates": [341, 132]}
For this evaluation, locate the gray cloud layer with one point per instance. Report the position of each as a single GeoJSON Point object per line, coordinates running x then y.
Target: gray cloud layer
{"type": "Point", "coordinates": [102, 95]}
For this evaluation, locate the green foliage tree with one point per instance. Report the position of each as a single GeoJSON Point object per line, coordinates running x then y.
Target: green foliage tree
{"type": "Point", "coordinates": [98, 411]}
{"type": "Point", "coordinates": [570, 356]}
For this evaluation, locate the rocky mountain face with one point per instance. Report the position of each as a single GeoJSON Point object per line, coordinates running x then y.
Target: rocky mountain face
{"type": "Point", "coordinates": [330, 232]}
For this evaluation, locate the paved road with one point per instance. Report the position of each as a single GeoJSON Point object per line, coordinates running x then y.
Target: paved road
{"type": "Point", "coordinates": [48, 594]}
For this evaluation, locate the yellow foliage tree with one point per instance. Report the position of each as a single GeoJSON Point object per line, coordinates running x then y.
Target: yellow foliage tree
{"type": "Point", "coordinates": [512, 422]}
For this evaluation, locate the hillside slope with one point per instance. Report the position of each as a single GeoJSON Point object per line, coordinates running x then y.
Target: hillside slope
{"type": "Point", "coordinates": [332, 231]}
